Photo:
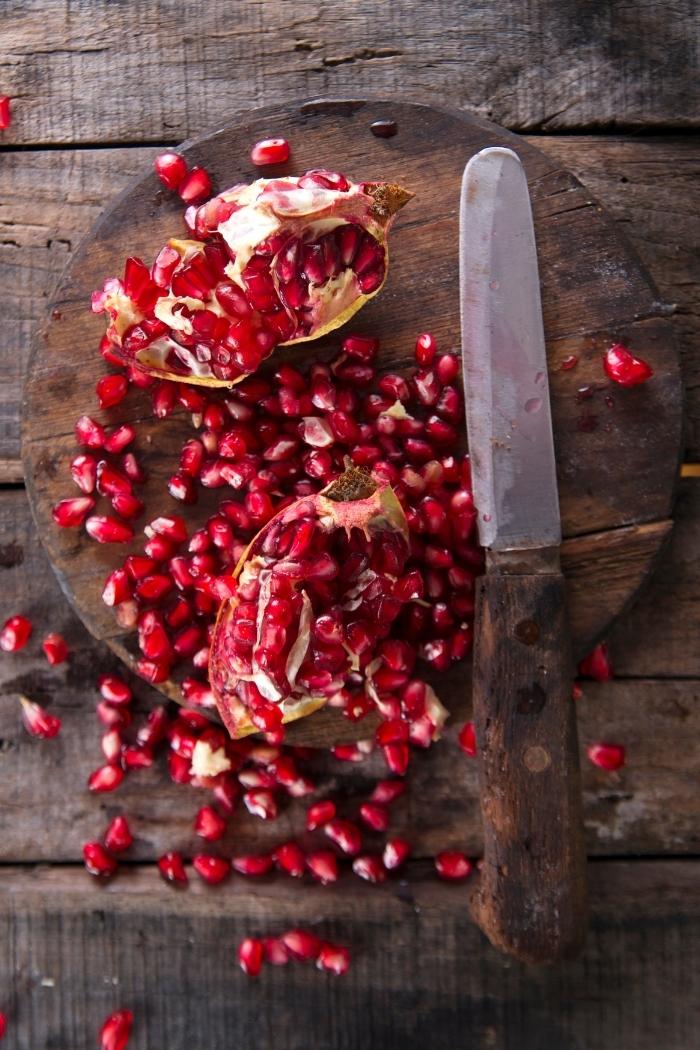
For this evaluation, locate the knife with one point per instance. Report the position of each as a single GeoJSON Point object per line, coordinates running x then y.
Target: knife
{"type": "Point", "coordinates": [531, 896]}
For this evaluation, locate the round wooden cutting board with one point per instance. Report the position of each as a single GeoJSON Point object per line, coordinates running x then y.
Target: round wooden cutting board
{"type": "Point", "coordinates": [617, 450]}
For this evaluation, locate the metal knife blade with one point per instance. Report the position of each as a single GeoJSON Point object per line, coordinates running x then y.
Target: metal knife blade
{"type": "Point", "coordinates": [504, 361]}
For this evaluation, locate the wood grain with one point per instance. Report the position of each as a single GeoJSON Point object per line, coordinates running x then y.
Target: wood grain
{"type": "Point", "coordinates": [421, 974]}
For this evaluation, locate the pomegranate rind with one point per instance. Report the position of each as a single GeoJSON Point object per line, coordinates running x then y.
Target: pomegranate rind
{"type": "Point", "coordinates": [264, 210]}
{"type": "Point", "coordinates": [354, 500]}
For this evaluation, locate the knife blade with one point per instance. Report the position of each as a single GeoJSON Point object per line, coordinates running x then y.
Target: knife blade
{"type": "Point", "coordinates": [509, 421]}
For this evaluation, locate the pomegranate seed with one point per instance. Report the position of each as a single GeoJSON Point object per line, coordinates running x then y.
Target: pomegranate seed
{"type": "Point", "coordinates": [37, 721]}
{"type": "Point", "coordinates": [344, 834]}
{"type": "Point", "coordinates": [170, 528]}
{"type": "Point", "coordinates": [118, 835]}
{"type": "Point", "coordinates": [195, 186]}
{"type": "Point", "coordinates": [302, 944]}
{"type": "Point", "coordinates": [115, 1032]}
{"type": "Point", "coordinates": [396, 757]}
{"type": "Point", "coordinates": [211, 869]}
{"type": "Point", "coordinates": [323, 865]}
{"type": "Point", "coordinates": [467, 739]}
{"type": "Point", "coordinates": [5, 117]}
{"type": "Point", "coordinates": [172, 868]}
{"type": "Point", "coordinates": [289, 858]}
{"type": "Point", "coordinates": [387, 791]}
{"type": "Point", "coordinates": [111, 390]}
{"type": "Point", "coordinates": [117, 588]}
{"type": "Point", "coordinates": [348, 752]}
{"type": "Point", "coordinates": [97, 860]}
{"type": "Point", "coordinates": [69, 513]}
{"type": "Point", "coordinates": [111, 744]}
{"type": "Point", "coordinates": [374, 816]}
{"type": "Point", "coordinates": [83, 471]}
{"type": "Point", "coordinates": [426, 348]}
{"type": "Point", "coordinates": [114, 689]}
{"type": "Point", "coordinates": [108, 530]}
{"type": "Point", "coordinates": [396, 851]}
{"type": "Point", "coordinates": [106, 778]}
{"type": "Point", "coordinates": [127, 505]}
{"type": "Point", "coordinates": [452, 865]}
{"type": "Point", "coordinates": [134, 757]}
{"type": "Point", "coordinates": [269, 151]}
{"type": "Point", "coordinates": [447, 368]}
{"type": "Point", "coordinates": [15, 633]}
{"type": "Point", "coordinates": [261, 804]}
{"type": "Point", "coordinates": [110, 716]}
{"type": "Point", "coordinates": [250, 956]}
{"type": "Point", "coordinates": [209, 824]}
{"type": "Point", "coordinates": [118, 440]}
{"type": "Point", "coordinates": [597, 664]}
{"type": "Point", "coordinates": [253, 865]}
{"type": "Point", "coordinates": [333, 958]}
{"type": "Point", "coordinates": [274, 951]}
{"type": "Point", "coordinates": [3, 1018]}
{"type": "Point", "coordinates": [89, 433]}
{"type": "Point", "coordinates": [171, 169]}
{"type": "Point", "coordinates": [370, 868]}
{"type": "Point", "coordinates": [606, 756]}
{"type": "Point", "coordinates": [624, 368]}
{"type": "Point", "coordinates": [319, 814]}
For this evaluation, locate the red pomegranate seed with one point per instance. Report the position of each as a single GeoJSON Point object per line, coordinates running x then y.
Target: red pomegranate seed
{"type": "Point", "coordinates": [396, 851]}
{"type": "Point", "coordinates": [113, 717]}
{"type": "Point", "coordinates": [250, 956]}
{"type": "Point", "coordinates": [269, 151]}
{"type": "Point", "coordinates": [195, 186]}
{"type": "Point", "coordinates": [333, 958]}
{"type": "Point", "coordinates": [274, 951]}
{"type": "Point", "coordinates": [106, 778]}
{"type": "Point", "coordinates": [568, 363]}
{"type": "Point", "coordinates": [114, 689]}
{"type": "Point", "coordinates": [69, 513]}
{"type": "Point", "coordinates": [211, 869]}
{"type": "Point", "coordinates": [171, 169]}
{"type": "Point", "coordinates": [55, 648]}
{"type": "Point", "coordinates": [104, 529]}
{"type": "Point", "coordinates": [97, 860]}
{"type": "Point", "coordinates": [111, 390]}
{"type": "Point", "coordinates": [261, 804]}
{"type": "Point", "coordinates": [3, 1018]}
{"type": "Point", "coordinates": [5, 117]}
{"type": "Point", "coordinates": [319, 814]}
{"type": "Point", "coordinates": [467, 738]}
{"type": "Point", "coordinates": [15, 633]}
{"type": "Point", "coordinates": [172, 868]}
{"type": "Point", "coordinates": [171, 528]}
{"type": "Point", "coordinates": [426, 348]}
{"type": "Point", "coordinates": [111, 744]}
{"type": "Point", "coordinates": [119, 439]}
{"type": "Point", "coordinates": [624, 368]}
{"type": "Point", "coordinates": [345, 835]}
{"type": "Point", "coordinates": [387, 791]}
{"type": "Point", "coordinates": [115, 1032]}
{"type": "Point", "coordinates": [447, 368]}
{"type": "Point", "coordinates": [370, 868]}
{"type": "Point", "coordinates": [289, 858]}
{"type": "Point", "coordinates": [37, 720]}
{"type": "Point", "coordinates": [452, 865]}
{"type": "Point", "coordinates": [374, 816]}
{"type": "Point", "coordinates": [89, 433]}
{"type": "Point", "coordinates": [348, 752]}
{"type": "Point", "coordinates": [83, 471]}
{"type": "Point", "coordinates": [302, 944]}
{"type": "Point", "coordinates": [117, 588]}
{"type": "Point", "coordinates": [253, 865]}
{"type": "Point", "coordinates": [209, 824]}
{"type": "Point", "coordinates": [134, 757]}
{"type": "Point", "coordinates": [396, 757]}
{"type": "Point", "coordinates": [606, 756]}
{"type": "Point", "coordinates": [323, 865]}
{"type": "Point", "coordinates": [118, 835]}
{"type": "Point", "coordinates": [597, 664]}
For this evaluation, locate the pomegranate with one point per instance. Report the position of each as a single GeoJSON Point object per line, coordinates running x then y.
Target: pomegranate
{"type": "Point", "coordinates": [115, 1032]}
{"type": "Point", "coordinates": [15, 633]}
{"type": "Point", "coordinates": [37, 720]}
{"type": "Point", "coordinates": [250, 956]}
{"type": "Point", "coordinates": [283, 644]}
{"type": "Point", "coordinates": [269, 151]}
{"type": "Point", "coordinates": [275, 262]}
{"type": "Point", "coordinates": [624, 368]}
{"type": "Point", "coordinates": [607, 756]}
{"type": "Point", "coordinates": [597, 664]}
{"type": "Point", "coordinates": [118, 835]}
{"type": "Point", "coordinates": [5, 118]}
{"type": "Point", "coordinates": [55, 649]}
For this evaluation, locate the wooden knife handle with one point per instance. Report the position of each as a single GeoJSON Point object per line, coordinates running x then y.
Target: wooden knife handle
{"type": "Point", "coordinates": [531, 898]}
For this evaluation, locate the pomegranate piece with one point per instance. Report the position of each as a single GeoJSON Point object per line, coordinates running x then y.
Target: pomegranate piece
{"type": "Point", "coordinates": [387, 791]}
{"type": "Point", "coordinates": [295, 583]}
{"type": "Point", "coordinates": [118, 835]}
{"type": "Point", "coordinates": [15, 633]}
{"type": "Point", "coordinates": [37, 720]}
{"type": "Point", "coordinates": [69, 513]}
{"type": "Point", "coordinates": [319, 814]}
{"type": "Point", "coordinates": [3, 1018]}
{"type": "Point", "coordinates": [5, 118]}
{"type": "Point", "coordinates": [55, 649]}
{"type": "Point", "coordinates": [396, 852]}
{"type": "Point", "coordinates": [106, 778]}
{"type": "Point", "coordinates": [345, 835]}
{"type": "Point", "coordinates": [278, 261]}
{"type": "Point", "coordinates": [467, 739]}
{"type": "Point", "coordinates": [302, 945]}
{"type": "Point", "coordinates": [597, 664]}
{"type": "Point", "coordinates": [374, 816]}
{"type": "Point", "coordinates": [289, 858]}
{"type": "Point", "coordinates": [624, 368]}
{"type": "Point", "coordinates": [274, 951]}
{"type": "Point", "coordinates": [89, 433]}
{"type": "Point", "coordinates": [370, 868]}
{"type": "Point", "coordinates": [269, 151]}
{"type": "Point", "coordinates": [333, 958]}
{"type": "Point", "coordinates": [83, 471]}
{"type": "Point", "coordinates": [171, 169]}
{"type": "Point", "coordinates": [98, 861]}
{"type": "Point", "coordinates": [606, 756]}
{"type": "Point", "coordinates": [253, 865]}
{"type": "Point", "coordinates": [323, 865]}
{"type": "Point", "coordinates": [114, 689]}
{"type": "Point", "coordinates": [209, 824]}
{"type": "Point", "coordinates": [115, 1032]}
{"type": "Point", "coordinates": [211, 869]}
{"type": "Point", "coordinates": [250, 956]}
{"type": "Point", "coordinates": [111, 390]}
{"type": "Point", "coordinates": [104, 529]}
{"type": "Point", "coordinates": [172, 868]}
{"type": "Point", "coordinates": [452, 865]}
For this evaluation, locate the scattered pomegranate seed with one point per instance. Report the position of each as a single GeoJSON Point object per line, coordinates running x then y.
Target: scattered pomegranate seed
{"type": "Point", "coordinates": [83, 471]}
{"type": "Point", "coordinates": [576, 691]}
{"type": "Point", "coordinates": [114, 689]}
{"type": "Point", "coordinates": [333, 958]}
{"type": "Point", "coordinates": [106, 778]}
{"type": "Point", "coordinates": [597, 664]}
{"type": "Point", "coordinates": [607, 756]}
{"type": "Point", "coordinates": [289, 858]}
{"type": "Point", "coordinates": [209, 824]}
{"type": "Point", "coordinates": [452, 865]}
{"type": "Point", "coordinates": [323, 865]}
{"type": "Point", "coordinates": [269, 151]}
{"type": "Point", "coordinates": [115, 1032]}
{"type": "Point", "coordinates": [108, 530]}
{"type": "Point", "coordinates": [345, 835]}
{"type": "Point", "coordinates": [396, 851]}
{"type": "Point", "coordinates": [89, 433]}
{"type": "Point", "coordinates": [37, 721]}
{"type": "Point", "coordinates": [118, 835]}
{"type": "Point", "coordinates": [3, 1018]}
{"type": "Point", "coordinates": [69, 513]}
{"type": "Point", "coordinates": [261, 804]}
{"type": "Point", "coordinates": [387, 791]}
{"type": "Point", "coordinates": [171, 169]}
{"type": "Point", "coordinates": [172, 868]}
{"type": "Point", "coordinates": [275, 951]}
{"type": "Point", "coordinates": [97, 860]}
{"type": "Point", "coordinates": [319, 814]}
{"type": "Point", "coordinates": [195, 186]}
{"type": "Point", "coordinates": [302, 944]}
{"type": "Point", "coordinates": [250, 956]}
{"type": "Point", "coordinates": [15, 634]}
{"type": "Point", "coordinates": [5, 117]}
{"type": "Point", "coordinates": [568, 363]}
{"type": "Point", "coordinates": [253, 865]}
{"type": "Point", "coordinates": [374, 816]}
{"type": "Point", "coordinates": [111, 390]}
{"type": "Point", "coordinates": [467, 738]}
{"type": "Point", "coordinates": [369, 867]}
{"type": "Point", "coordinates": [624, 368]}
{"type": "Point", "coordinates": [55, 648]}
{"type": "Point", "coordinates": [211, 869]}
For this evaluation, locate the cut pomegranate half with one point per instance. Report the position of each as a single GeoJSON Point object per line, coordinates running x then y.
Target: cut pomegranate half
{"type": "Point", "coordinates": [278, 261]}
{"type": "Point", "coordinates": [282, 645]}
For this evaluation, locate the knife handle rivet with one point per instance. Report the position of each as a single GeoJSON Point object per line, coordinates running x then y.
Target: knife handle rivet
{"type": "Point", "coordinates": [527, 632]}
{"type": "Point", "coordinates": [536, 759]}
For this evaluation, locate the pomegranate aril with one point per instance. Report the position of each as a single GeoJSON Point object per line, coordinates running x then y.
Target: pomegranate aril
{"type": "Point", "coordinates": [452, 865]}
{"type": "Point", "coordinates": [171, 169]}
{"type": "Point", "coordinates": [209, 824]}
{"type": "Point", "coordinates": [302, 944]}
{"type": "Point", "coordinates": [624, 368]}
{"type": "Point", "coordinates": [250, 956]}
{"type": "Point", "coordinates": [69, 513]}
{"type": "Point", "coordinates": [323, 866]}
{"type": "Point", "coordinates": [15, 633]}
{"type": "Point", "coordinates": [597, 664]}
{"type": "Point", "coordinates": [38, 721]}
{"type": "Point", "coordinates": [269, 151]}
{"type": "Point", "coordinates": [111, 744]}
{"type": "Point", "coordinates": [289, 858]}
{"type": "Point", "coordinates": [111, 390]}
{"type": "Point", "coordinates": [374, 816]}
{"type": "Point", "coordinates": [426, 348]}
{"type": "Point", "coordinates": [606, 756]}
{"type": "Point", "coordinates": [467, 739]}
{"type": "Point", "coordinates": [370, 868]}
{"type": "Point", "coordinates": [253, 865]}
{"type": "Point", "coordinates": [396, 756]}
{"type": "Point", "coordinates": [172, 868]}
{"type": "Point", "coordinates": [275, 951]}
{"type": "Point", "coordinates": [89, 433]}
{"type": "Point", "coordinates": [83, 471]}
{"type": "Point", "coordinates": [212, 870]}
{"type": "Point", "coordinates": [319, 814]}
{"type": "Point", "coordinates": [261, 803]}
{"type": "Point", "coordinates": [334, 958]}
{"type": "Point", "coordinates": [5, 121]}
{"type": "Point", "coordinates": [116, 1030]}
{"type": "Point", "coordinates": [106, 778]}
{"type": "Point", "coordinates": [345, 835]}
{"type": "Point", "coordinates": [104, 529]}
{"type": "Point", "coordinates": [98, 861]}
{"type": "Point", "coordinates": [195, 186]}
{"type": "Point", "coordinates": [118, 837]}
{"type": "Point", "coordinates": [396, 851]}
{"type": "Point", "coordinates": [387, 791]}
{"type": "Point", "coordinates": [446, 368]}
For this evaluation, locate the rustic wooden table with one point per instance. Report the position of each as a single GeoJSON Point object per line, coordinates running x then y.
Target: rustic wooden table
{"type": "Point", "coordinates": [608, 92]}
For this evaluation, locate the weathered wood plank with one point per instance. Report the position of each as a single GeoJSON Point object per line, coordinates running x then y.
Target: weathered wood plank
{"type": "Point", "coordinates": [169, 74]}
{"type": "Point", "coordinates": [48, 200]}
{"type": "Point", "coordinates": [421, 974]}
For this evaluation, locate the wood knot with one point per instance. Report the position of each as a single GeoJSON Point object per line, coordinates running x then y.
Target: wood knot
{"type": "Point", "coordinates": [527, 632]}
{"type": "Point", "coordinates": [536, 759]}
